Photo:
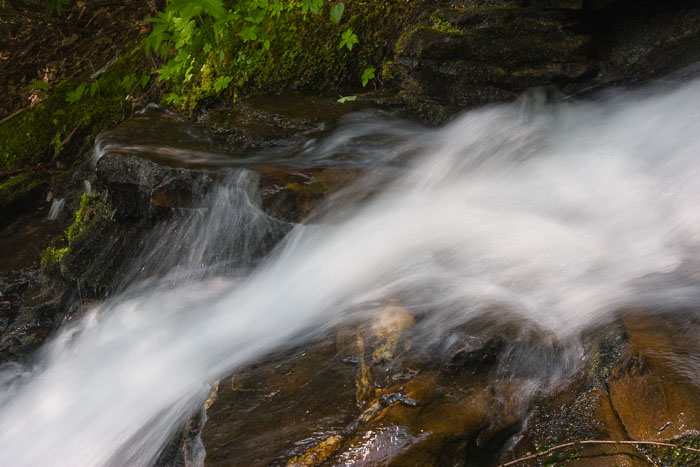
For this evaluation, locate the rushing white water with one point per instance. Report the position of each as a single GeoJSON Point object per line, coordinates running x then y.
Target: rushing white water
{"type": "Point", "coordinates": [55, 209]}
{"type": "Point", "coordinates": [558, 215]}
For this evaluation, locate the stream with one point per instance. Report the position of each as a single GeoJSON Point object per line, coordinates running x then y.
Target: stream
{"type": "Point", "coordinates": [543, 219]}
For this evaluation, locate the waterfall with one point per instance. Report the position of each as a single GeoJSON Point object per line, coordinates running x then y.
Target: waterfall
{"type": "Point", "coordinates": [556, 213]}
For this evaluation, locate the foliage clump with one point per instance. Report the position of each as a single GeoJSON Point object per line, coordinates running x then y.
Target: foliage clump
{"type": "Point", "coordinates": [250, 46]}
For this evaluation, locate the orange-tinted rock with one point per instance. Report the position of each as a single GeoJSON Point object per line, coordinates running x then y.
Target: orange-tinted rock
{"type": "Point", "coordinates": [318, 454]}
{"type": "Point", "coordinates": [653, 392]}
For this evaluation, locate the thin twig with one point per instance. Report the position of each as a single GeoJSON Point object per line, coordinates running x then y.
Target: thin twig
{"type": "Point", "coordinates": [66, 140]}
{"type": "Point", "coordinates": [595, 441]}
{"type": "Point", "coordinates": [104, 68]}
{"type": "Point", "coordinates": [13, 115]}
{"type": "Point", "coordinates": [651, 461]}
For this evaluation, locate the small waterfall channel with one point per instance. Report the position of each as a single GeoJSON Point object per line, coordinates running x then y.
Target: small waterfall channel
{"type": "Point", "coordinates": [553, 216]}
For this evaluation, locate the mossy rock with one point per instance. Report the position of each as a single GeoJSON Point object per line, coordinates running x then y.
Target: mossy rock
{"type": "Point", "coordinates": [51, 261]}
{"type": "Point", "coordinates": [95, 252]}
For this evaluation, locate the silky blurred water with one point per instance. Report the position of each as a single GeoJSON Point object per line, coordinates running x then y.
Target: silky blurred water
{"type": "Point", "coordinates": [556, 214]}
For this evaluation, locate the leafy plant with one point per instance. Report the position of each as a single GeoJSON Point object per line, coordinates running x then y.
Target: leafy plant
{"type": "Point", "coordinates": [128, 82]}
{"type": "Point", "coordinates": [311, 5]}
{"type": "Point", "coordinates": [349, 39]}
{"type": "Point", "coordinates": [368, 75]}
{"type": "Point", "coordinates": [222, 83]}
{"type": "Point", "coordinates": [56, 142]}
{"type": "Point", "coordinates": [75, 95]}
{"type": "Point", "coordinates": [337, 12]}
{"type": "Point", "coordinates": [211, 45]}
{"type": "Point", "coordinates": [55, 6]}
{"type": "Point", "coordinates": [38, 84]}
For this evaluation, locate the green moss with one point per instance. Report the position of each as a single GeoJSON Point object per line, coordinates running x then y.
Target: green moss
{"type": "Point", "coordinates": [19, 190]}
{"type": "Point", "coordinates": [36, 134]}
{"type": "Point", "coordinates": [51, 257]}
{"type": "Point", "coordinates": [93, 209]}
{"type": "Point", "coordinates": [444, 25]}
{"type": "Point", "coordinates": [13, 187]}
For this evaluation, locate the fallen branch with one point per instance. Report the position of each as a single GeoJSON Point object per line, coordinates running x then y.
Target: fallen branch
{"type": "Point", "coordinates": [104, 68]}
{"type": "Point", "coordinates": [34, 168]}
{"type": "Point", "coordinates": [595, 441]}
{"type": "Point", "coordinates": [13, 115]}
{"type": "Point", "coordinates": [66, 140]}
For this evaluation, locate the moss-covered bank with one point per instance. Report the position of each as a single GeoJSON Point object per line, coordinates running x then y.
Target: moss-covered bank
{"type": "Point", "coordinates": [19, 190]}
{"type": "Point", "coordinates": [58, 129]}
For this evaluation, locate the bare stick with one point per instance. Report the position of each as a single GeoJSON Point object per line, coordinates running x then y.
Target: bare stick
{"type": "Point", "coordinates": [595, 441]}
{"type": "Point", "coordinates": [13, 115]}
{"type": "Point", "coordinates": [67, 138]}
{"type": "Point", "coordinates": [104, 68]}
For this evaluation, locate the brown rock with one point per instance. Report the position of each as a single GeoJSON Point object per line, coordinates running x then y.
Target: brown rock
{"type": "Point", "coordinates": [654, 399]}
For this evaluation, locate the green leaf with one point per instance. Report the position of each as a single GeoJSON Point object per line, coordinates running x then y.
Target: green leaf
{"type": "Point", "coordinates": [172, 98]}
{"type": "Point", "coordinates": [222, 83]}
{"type": "Point", "coordinates": [275, 8]}
{"type": "Point", "coordinates": [311, 5]}
{"type": "Point", "coordinates": [144, 81]}
{"type": "Point", "coordinates": [93, 88]}
{"type": "Point", "coordinates": [368, 75]}
{"type": "Point", "coordinates": [337, 12]}
{"type": "Point", "coordinates": [38, 84]}
{"type": "Point", "coordinates": [128, 82]}
{"type": "Point", "coordinates": [250, 33]}
{"type": "Point", "coordinates": [55, 5]}
{"type": "Point", "coordinates": [345, 99]}
{"type": "Point", "coordinates": [74, 96]}
{"type": "Point", "coordinates": [349, 40]}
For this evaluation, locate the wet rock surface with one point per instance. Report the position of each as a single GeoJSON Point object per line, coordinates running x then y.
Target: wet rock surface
{"type": "Point", "coordinates": [364, 396]}
{"type": "Point", "coordinates": [637, 387]}
{"type": "Point", "coordinates": [147, 176]}
{"type": "Point", "coordinates": [468, 53]}
{"type": "Point", "coordinates": [375, 393]}
{"type": "Point", "coordinates": [655, 391]}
